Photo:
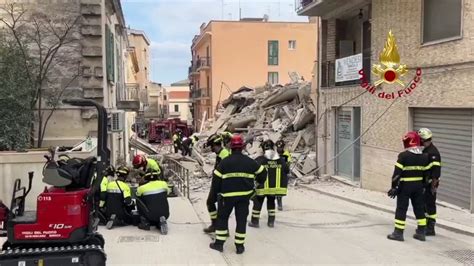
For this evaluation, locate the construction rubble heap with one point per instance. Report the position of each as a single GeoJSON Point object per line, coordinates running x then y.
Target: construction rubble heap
{"type": "Point", "coordinates": [270, 112]}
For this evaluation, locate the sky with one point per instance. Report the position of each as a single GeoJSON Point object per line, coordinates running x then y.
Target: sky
{"type": "Point", "coordinates": [172, 24]}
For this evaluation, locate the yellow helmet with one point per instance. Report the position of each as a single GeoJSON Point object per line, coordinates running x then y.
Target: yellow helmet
{"type": "Point", "coordinates": [425, 133]}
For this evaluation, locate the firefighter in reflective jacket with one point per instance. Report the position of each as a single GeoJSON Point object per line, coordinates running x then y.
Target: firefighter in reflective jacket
{"type": "Point", "coordinates": [146, 164]}
{"type": "Point", "coordinates": [407, 184]}
{"type": "Point", "coordinates": [285, 154]}
{"type": "Point", "coordinates": [234, 182]}
{"type": "Point", "coordinates": [152, 203]}
{"type": "Point", "coordinates": [215, 142]}
{"type": "Point", "coordinates": [275, 184]}
{"type": "Point", "coordinates": [177, 139]}
{"type": "Point", "coordinates": [108, 174]}
{"type": "Point", "coordinates": [226, 137]}
{"type": "Point", "coordinates": [433, 179]}
{"type": "Point", "coordinates": [118, 203]}
{"type": "Point", "coordinates": [188, 144]}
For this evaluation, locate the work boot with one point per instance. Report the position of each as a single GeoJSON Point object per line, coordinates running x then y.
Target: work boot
{"type": "Point", "coordinates": [211, 228]}
{"type": "Point", "coordinates": [144, 224]}
{"type": "Point", "coordinates": [420, 234]}
{"type": "Point", "coordinates": [254, 222]}
{"type": "Point", "coordinates": [240, 248]}
{"type": "Point", "coordinates": [163, 225]}
{"type": "Point", "coordinates": [396, 235]}
{"type": "Point", "coordinates": [217, 246]}
{"type": "Point", "coordinates": [111, 221]}
{"type": "Point", "coordinates": [271, 221]}
{"type": "Point", "coordinates": [280, 203]}
{"type": "Point", "coordinates": [430, 228]}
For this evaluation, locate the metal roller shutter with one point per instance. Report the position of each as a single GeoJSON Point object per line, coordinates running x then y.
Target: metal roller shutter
{"type": "Point", "coordinates": [452, 135]}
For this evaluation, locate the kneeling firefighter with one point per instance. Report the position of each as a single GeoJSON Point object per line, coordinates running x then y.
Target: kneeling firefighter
{"type": "Point", "coordinates": [275, 184]}
{"type": "Point", "coordinates": [152, 203]}
{"type": "Point", "coordinates": [411, 170]}
{"type": "Point", "coordinates": [118, 202]}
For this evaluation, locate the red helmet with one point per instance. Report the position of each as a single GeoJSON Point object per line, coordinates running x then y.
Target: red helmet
{"type": "Point", "coordinates": [411, 139]}
{"type": "Point", "coordinates": [139, 161]}
{"type": "Point", "coordinates": [236, 142]}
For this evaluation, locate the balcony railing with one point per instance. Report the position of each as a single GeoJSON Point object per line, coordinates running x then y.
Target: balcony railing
{"type": "Point", "coordinates": [131, 92]}
{"type": "Point", "coordinates": [328, 74]}
{"type": "Point", "coordinates": [204, 62]}
{"type": "Point", "coordinates": [301, 4]}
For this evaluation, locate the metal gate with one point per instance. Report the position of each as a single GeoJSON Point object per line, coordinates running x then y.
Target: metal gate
{"type": "Point", "coordinates": [452, 135]}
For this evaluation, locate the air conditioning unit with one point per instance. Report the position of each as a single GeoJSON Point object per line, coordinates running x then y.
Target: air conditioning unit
{"type": "Point", "coordinates": [117, 121]}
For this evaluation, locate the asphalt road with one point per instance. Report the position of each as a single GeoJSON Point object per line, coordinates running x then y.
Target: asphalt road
{"type": "Point", "coordinates": [312, 229]}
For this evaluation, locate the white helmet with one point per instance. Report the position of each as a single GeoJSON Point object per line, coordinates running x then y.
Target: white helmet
{"type": "Point", "coordinates": [425, 133]}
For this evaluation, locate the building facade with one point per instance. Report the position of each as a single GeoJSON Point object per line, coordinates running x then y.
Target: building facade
{"type": "Point", "coordinates": [99, 47]}
{"type": "Point", "coordinates": [179, 102]}
{"type": "Point", "coordinates": [157, 103]}
{"type": "Point", "coordinates": [360, 128]}
{"type": "Point", "coordinates": [227, 55]}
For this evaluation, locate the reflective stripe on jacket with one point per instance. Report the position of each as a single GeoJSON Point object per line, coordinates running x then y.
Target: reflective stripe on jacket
{"type": "Point", "coordinates": [153, 187]}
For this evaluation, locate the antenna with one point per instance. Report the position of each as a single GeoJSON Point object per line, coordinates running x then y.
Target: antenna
{"type": "Point", "coordinates": [240, 12]}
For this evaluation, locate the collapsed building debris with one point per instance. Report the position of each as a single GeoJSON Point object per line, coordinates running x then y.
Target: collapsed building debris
{"type": "Point", "coordinates": [267, 112]}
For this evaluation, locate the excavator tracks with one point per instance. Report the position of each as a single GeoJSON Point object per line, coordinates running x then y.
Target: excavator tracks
{"type": "Point", "coordinates": [77, 255]}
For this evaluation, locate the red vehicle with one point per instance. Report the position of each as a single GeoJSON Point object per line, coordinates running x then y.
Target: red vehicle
{"type": "Point", "coordinates": [162, 131]}
{"type": "Point", "coordinates": [63, 229]}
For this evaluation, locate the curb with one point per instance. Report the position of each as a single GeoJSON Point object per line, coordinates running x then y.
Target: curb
{"type": "Point", "coordinates": [450, 226]}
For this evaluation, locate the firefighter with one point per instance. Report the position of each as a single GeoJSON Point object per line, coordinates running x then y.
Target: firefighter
{"type": "Point", "coordinates": [152, 202]}
{"type": "Point", "coordinates": [215, 142]}
{"type": "Point", "coordinates": [108, 175]}
{"type": "Point", "coordinates": [188, 144]}
{"type": "Point", "coordinates": [226, 136]}
{"type": "Point", "coordinates": [275, 184]}
{"type": "Point", "coordinates": [432, 181]}
{"type": "Point", "coordinates": [118, 203]}
{"type": "Point", "coordinates": [177, 139]}
{"type": "Point", "coordinates": [142, 163]}
{"type": "Point", "coordinates": [407, 184]}
{"type": "Point", "coordinates": [286, 155]}
{"type": "Point", "coordinates": [234, 181]}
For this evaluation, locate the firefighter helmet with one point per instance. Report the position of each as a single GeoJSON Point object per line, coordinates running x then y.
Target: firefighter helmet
{"type": "Point", "coordinates": [268, 145]}
{"type": "Point", "coordinates": [236, 142]}
{"type": "Point", "coordinates": [411, 139]}
{"type": "Point", "coordinates": [214, 139]}
{"type": "Point", "coordinates": [425, 133]}
{"type": "Point", "coordinates": [280, 144]}
{"type": "Point", "coordinates": [123, 171]}
{"type": "Point", "coordinates": [139, 161]}
{"type": "Point", "coordinates": [109, 171]}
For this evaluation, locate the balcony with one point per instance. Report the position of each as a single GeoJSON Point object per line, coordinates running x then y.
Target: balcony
{"type": "Point", "coordinates": [128, 99]}
{"type": "Point", "coordinates": [204, 63]}
{"type": "Point", "coordinates": [193, 69]}
{"type": "Point", "coordinates": [323, 8]}
{"type": "Point", "coordinates": [205, 93]}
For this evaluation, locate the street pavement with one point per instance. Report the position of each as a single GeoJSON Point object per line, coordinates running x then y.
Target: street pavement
{"type": "Point", "coordinates": [313, 228]}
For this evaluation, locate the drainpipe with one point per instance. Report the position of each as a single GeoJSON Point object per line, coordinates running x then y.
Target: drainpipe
{"type": "Point", "coordinates": [317, 87]}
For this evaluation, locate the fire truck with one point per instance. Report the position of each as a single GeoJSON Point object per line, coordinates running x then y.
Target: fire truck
{"type": "Point", "coordinates": [161, 131]}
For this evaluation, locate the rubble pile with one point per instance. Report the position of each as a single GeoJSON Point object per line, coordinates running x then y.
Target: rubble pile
{"type": "Point", "coordinates": [268, 112]}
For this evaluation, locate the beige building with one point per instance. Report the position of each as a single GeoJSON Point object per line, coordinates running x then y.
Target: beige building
{"type": "Point", "coordinates": [99, 47]}
{"type": "Point", "coordinates": [157, 103]}
{"type": "Point", "coordinates": [179, 101]}
{"type": "Point", "coordinates": [137, 80]}
{"type": "Point", "coordinates": [353, 34]}
{"type": "Point", "coordinates": [230, 54]}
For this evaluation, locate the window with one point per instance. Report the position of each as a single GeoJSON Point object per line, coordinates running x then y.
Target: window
{"type": "Point", "coordinates": [292, 45]}
{"type": "Point", "coordinates": [273, 78]}
{"type": "Point", "coordinates": [176, 108]}
{"type": "Point", "coordinates": [164, 97]}
{"type": "Point", "coordinates": [273, 53]}
{"type": "Point", "coordinates": [441, 20]}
